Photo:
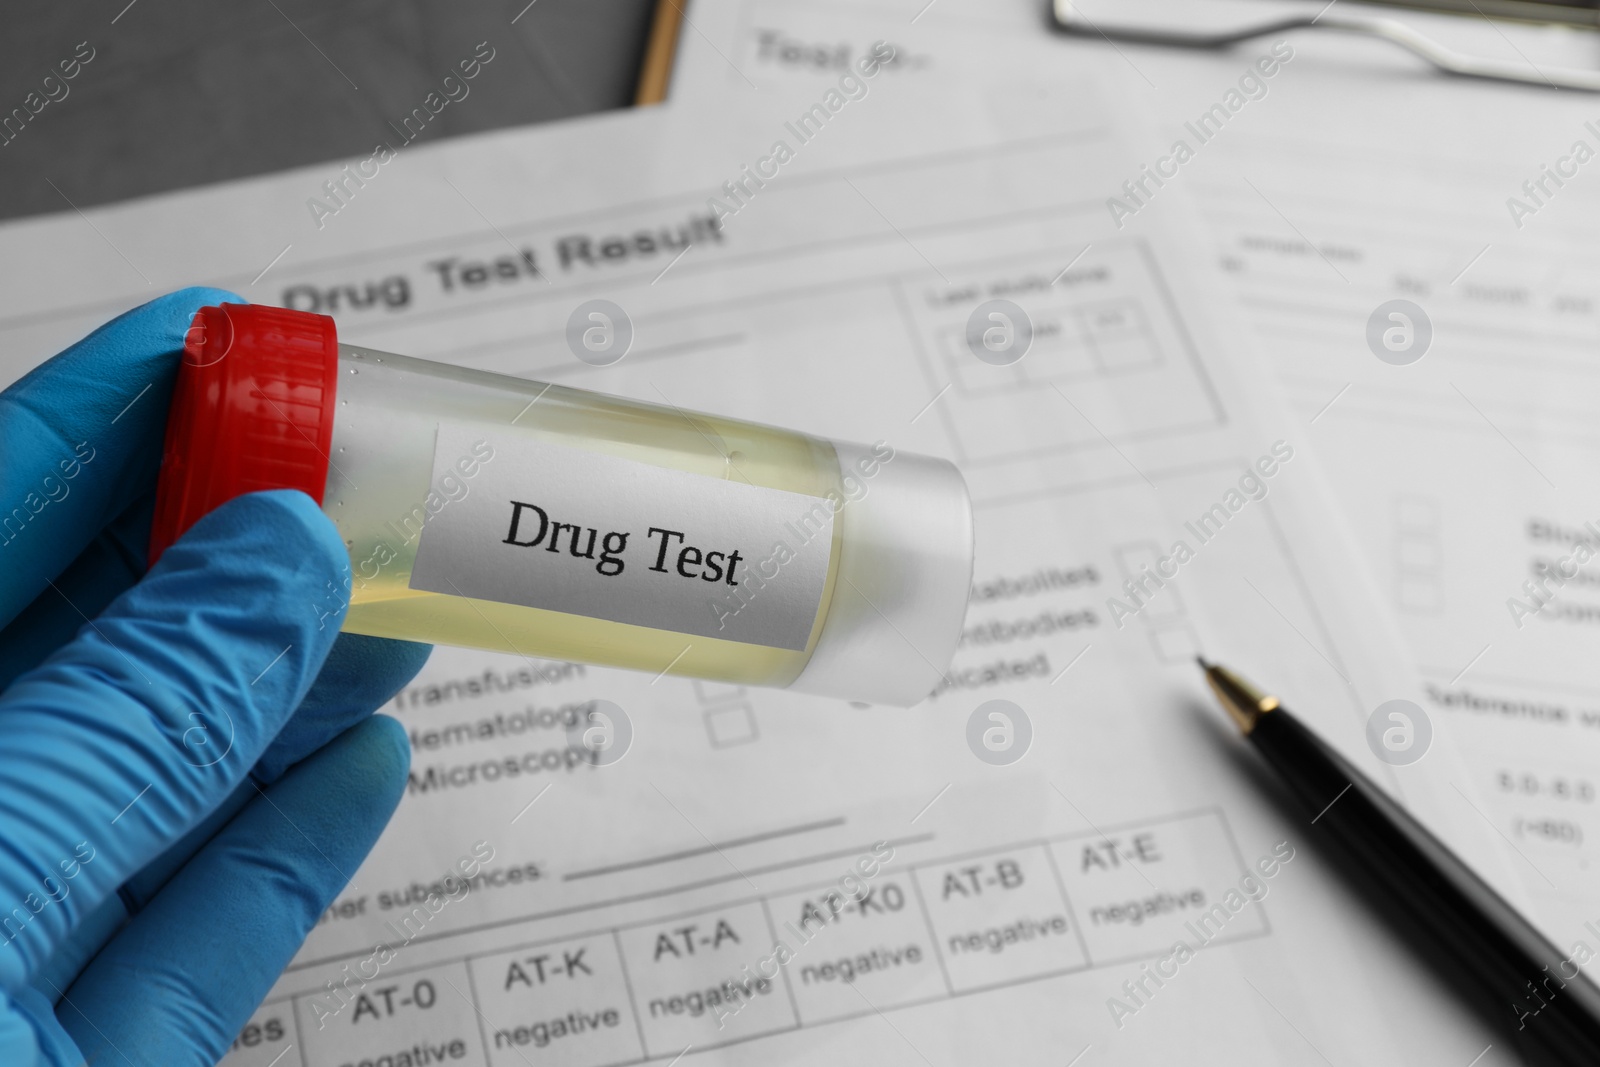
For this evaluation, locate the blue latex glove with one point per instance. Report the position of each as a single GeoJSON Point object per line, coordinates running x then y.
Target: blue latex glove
{"type": "Point", "coordinates": [187, 780]}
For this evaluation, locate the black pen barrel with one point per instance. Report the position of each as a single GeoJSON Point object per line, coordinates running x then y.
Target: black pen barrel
{"type": "Point", "coordinates": [1537, 994]}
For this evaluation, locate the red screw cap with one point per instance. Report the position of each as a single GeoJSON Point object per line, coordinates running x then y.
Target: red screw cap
{"type": "Point", "coordinates": [252, 410]}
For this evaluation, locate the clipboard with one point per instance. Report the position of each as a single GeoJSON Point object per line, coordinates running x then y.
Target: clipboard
{"type": "Point", "coordinates": [655, 73]}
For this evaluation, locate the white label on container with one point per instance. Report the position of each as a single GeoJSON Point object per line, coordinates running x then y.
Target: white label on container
{"type": "Point", "coordinates": [585, 533]}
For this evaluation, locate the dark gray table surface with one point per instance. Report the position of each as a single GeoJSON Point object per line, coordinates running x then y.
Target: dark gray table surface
{"type": "Point", "coordinates": [185, 92]}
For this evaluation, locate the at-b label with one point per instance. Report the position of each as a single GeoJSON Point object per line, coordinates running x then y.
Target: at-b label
{"type": "Point", "coordinates": [559, 528]}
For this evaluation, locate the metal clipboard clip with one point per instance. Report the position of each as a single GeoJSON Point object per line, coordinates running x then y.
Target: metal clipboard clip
{"type": "Point", "coordinates": [1069, 18]}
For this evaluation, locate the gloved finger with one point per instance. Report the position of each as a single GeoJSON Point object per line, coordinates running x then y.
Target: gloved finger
{"type": "Point", "coordinates": [112, 561]}
{"type": "Point", "coordinates": [183, 977]}
{"type": "Point", "coordinates": [19, 1040]}
{"type": "Point", "coordinates": [81, 435]}
{"type": "Point", "coordinates": [120, 742]}
{"type": "Point", "coordinates": [360, 675]}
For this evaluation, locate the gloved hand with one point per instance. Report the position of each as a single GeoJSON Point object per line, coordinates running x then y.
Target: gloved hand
{"type": "Point", "coordinates": [189, 770]}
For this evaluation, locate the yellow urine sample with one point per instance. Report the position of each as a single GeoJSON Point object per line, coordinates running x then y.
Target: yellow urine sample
{"type": "Point", "coordinates": [369, 462]}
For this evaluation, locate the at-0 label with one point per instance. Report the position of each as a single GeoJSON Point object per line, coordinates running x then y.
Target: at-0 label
{"type": "Point", "coordinates": [559, 528]}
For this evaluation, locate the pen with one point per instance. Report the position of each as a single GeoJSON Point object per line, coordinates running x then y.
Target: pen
{"type": "Point", "coordinates": [1528, 987]}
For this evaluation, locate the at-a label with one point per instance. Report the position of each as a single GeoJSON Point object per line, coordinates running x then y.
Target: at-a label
{"type": "Point", "coordinates": [585, 533]}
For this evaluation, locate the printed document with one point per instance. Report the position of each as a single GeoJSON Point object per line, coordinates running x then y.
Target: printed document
{"type": "Point", "coordinates": [1464, 460]}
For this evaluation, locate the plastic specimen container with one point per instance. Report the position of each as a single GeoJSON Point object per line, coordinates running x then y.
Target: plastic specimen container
{"type": "Point", "coordinates": [546, 521]}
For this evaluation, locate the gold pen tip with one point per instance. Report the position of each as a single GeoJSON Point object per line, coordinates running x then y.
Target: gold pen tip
{"type": "Point", "coordinates": [1244, 703]}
